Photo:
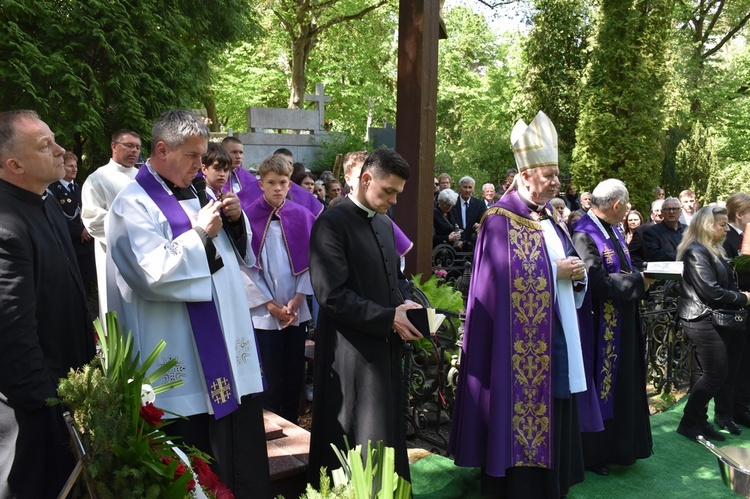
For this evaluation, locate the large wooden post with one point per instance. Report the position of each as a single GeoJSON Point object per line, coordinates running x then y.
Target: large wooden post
{"type": "Point", "coordinates": [418, 28]}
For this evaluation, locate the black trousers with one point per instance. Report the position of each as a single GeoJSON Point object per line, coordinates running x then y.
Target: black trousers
{"type": "Point", "coordinates": [731, 398]}
{"type": "Point", "coordinates": [237, 442]}
{"type": "Point", "coordinates": [711, 368]}
{"type": "Point", "coordinates": [283, 356]}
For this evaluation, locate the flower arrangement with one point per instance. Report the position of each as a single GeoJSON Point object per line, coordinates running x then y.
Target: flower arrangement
{"type": "Point", "coordinates": [122, 431]}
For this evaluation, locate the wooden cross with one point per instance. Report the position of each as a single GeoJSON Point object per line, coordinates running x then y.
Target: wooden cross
{"type": "Point", "coordinates": [320, 99]}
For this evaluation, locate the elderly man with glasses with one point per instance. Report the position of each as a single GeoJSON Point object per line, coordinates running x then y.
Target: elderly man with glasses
{"type": "Point", "coordinates": [660, 240]}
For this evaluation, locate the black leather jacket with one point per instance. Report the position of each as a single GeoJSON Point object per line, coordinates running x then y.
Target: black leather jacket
{"type": "Point", "coordinates": [706, 284]}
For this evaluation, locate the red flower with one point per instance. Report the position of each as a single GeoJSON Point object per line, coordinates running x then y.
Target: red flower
{"type": "Point", "coordinates": [179, 471]}
{"type": "Point", "coordinates": [151, 414]}
{"type": "Point", "coordinates": [208, 479]}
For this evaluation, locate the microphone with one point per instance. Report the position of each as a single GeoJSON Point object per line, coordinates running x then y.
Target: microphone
{"type": "Point", "coordinates": [199, 184]}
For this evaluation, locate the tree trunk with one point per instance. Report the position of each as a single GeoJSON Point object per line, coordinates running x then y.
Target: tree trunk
{"type": "Point", "coordinates": [300, 53]}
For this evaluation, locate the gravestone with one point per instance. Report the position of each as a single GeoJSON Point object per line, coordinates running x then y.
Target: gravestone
{"type": "Point", "coordinates": [382, 137]}
{"type": "Point", "coordinates": [299, 130]}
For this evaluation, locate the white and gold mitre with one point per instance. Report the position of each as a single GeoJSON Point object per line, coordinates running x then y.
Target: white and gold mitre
{"type": "Point", "coordinates": [536, 144]}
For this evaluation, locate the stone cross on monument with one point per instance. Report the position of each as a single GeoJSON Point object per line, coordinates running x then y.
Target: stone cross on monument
{"type": "Point", "coordinates": [320, 99]}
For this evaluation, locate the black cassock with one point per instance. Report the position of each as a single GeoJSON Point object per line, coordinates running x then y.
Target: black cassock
{"type": "Point", "coordinates": [358, 385]}
{"type": "Point", "coordinates": [627, 436]}
{"type": "Point", "coordinates": [45, 330]}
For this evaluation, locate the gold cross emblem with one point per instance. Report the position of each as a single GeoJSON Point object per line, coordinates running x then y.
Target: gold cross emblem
{"type": "Point", "coordinates": [221, 391]}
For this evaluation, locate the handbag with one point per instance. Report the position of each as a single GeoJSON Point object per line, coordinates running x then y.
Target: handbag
{"type": "Point", "coordinates": [736, 320]}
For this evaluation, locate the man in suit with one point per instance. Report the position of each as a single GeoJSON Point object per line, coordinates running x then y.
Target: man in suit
{"type": "Point", "coordinates": [635, 247]}
{"type": "Point", "coordinates": [468, 212]}
{"type": "Point", "coordinates": [660, 240]}
{"type": "Point", "coordinates": [68, 193]}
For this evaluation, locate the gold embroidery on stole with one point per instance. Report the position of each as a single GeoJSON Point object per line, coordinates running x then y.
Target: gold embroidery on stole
{"type": "Point", "coordinates": [530, 304]}
{"type": "Point", "coordinates": [609, 353]}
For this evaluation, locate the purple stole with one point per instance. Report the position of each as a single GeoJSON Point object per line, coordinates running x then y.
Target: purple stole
{"type": "Point", "coordinates": [606, 336]}
{"type": "Point", "coordinates": [243, 177]}
{"type": "Point", "coordinates": [296, 223]}
{"type": "Point", "coordinates": [531, 325]}
{"type": "Point", "coordinates": [252, 191]}
{"type": "Point", "coordinates": [204, 319]}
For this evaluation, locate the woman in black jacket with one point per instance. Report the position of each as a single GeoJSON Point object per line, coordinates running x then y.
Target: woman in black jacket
{"type": "Point", "coordinates": [707, 284]}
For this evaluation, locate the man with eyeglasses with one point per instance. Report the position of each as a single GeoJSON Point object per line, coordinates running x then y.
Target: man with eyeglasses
{"type": "Point", "coordinates": [660, 241]}
{"type": "Point", "coordinates": [98, 193]}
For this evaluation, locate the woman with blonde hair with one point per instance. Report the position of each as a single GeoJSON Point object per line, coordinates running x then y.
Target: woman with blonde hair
{"type": "Point", "coordinates": [707, 284]}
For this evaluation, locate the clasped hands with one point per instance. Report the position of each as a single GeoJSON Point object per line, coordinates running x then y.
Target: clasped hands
{"type": "Point", "coordinates": [286, 314]}
{"type": "Point", "coordinates": [571, 267]}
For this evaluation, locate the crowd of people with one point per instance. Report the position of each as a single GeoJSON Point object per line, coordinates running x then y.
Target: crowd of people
{"type": "Point", "coordinates": [229, 269]}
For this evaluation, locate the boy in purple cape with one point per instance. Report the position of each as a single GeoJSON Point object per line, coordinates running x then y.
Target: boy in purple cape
{"type": "Point", "coordinates": [278, 284]}
{"type": "Point", "coordinates": [515, 410]}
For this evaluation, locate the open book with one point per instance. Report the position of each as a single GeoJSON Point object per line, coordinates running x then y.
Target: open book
{"type": "Point", "coordinates": [427, 320]}
{"type": "Point", "coordinates": [671, 271]}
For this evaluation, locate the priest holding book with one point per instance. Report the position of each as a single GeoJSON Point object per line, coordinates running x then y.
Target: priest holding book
{"type": "Point", "coordinates": [354, 268]}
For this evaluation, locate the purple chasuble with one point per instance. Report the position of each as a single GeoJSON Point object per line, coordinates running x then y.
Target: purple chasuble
{"type": "Point", "coordinates": [503, 411]}
{"type": "Point", "coordinates": [601, 363]}
{"type": "Point", "coordinates": [296, 223]}
{"type": "Point", "coordinates": [297, 193]}
{"type": "Point", "coordinates": [204, 318]}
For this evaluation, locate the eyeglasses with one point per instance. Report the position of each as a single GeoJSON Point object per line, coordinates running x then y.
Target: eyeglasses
{"type": "Point", "coordinates": [130, 145]}
{"type": "Point", "coordinates": [437, 184]}
{"type": "Point", "coordinates": [670, 210]}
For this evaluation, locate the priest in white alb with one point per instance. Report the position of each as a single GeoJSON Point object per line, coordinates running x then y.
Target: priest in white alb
{"type": "Point", "coordinates": [173, 273]}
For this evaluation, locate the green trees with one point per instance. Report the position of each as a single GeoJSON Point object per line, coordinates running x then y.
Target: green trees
{"type": "Point", "coordinates": [304, 23]}
{"type": "Point", "coordinates": [555, 55]}
{"type": "Point", "coordinates": [92, 67]}
{"type": "Point", "coordinates": [475, 92]}
{"type": "Point", "coordinates": [621, 125]}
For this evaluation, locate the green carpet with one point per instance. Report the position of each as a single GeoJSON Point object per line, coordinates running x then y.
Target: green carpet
{"type": "Point", "coordinates": [679, 468]}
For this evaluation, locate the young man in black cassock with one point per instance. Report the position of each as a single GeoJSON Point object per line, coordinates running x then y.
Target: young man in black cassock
{"type": "Point", "coordinates": [354, 267]}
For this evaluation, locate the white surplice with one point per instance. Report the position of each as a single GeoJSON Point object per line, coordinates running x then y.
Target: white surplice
{"type": "Point", "coordinates": [275, 282]}
{"type": "Point", "coordinates": [97, 195]}
{"type": "Point", "coordinates": [150, 277]}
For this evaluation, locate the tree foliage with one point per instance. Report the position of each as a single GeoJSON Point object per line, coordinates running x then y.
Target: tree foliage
{"type": "Point", "coordinates": [555, 56]}
{"type": "Point", "coordinates": [304, 23]}
{"type": "Point", "coordinates": [475, 92]}
{"type": "Point", "coordinates": [92, 67]}
{"type": "Point", "coordinates": [698, 165]}
{"type": "Point", "coordinates": [358, 71]}
{"type": "Point", "coordinates": [620, 132]}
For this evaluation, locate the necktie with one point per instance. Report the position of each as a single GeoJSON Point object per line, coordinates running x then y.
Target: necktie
{"type": "Point", "coordinates": [463, 213]}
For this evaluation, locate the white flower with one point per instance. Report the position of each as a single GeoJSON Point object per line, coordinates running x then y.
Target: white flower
{"type": "Point", "coordinates": [147, 394]}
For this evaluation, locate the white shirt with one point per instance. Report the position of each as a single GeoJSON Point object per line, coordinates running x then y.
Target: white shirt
{"type": "Point", "coordinates": [275, 282]}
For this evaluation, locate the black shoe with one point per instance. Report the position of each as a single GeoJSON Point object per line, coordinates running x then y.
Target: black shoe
{"type": "Point", "coordinates": [742, 418]}
{"type": "Point", "coordinates": [599, 468]}
{"type": "Point", "coordinates": [693, 431]}
{"type": "Point", "coordinates": [729, 425]}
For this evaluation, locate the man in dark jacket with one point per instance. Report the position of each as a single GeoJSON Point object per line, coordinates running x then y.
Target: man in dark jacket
{"type": "Point", "coordinates": [660, 241]}
{"type": "Point", "coordinates": [45, 328]}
